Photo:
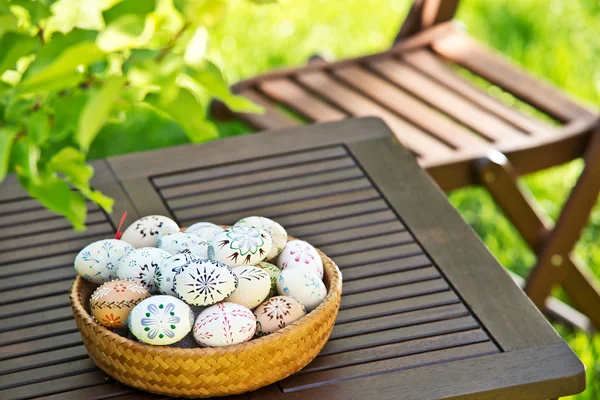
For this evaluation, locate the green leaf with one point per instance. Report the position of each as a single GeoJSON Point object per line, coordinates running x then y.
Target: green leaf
{"type": "Point", "coordinates": [67, 111]}
{"type": "Point", "coordinates": [24, 158]}
{"type": "Point", "coordinates": [204, 12]}
{"type": "Point", "coordinates": [83, 14]}
{"type": "Point", "coordinates": [127, 32]}
{"type": "Point", "coordinates": [56, 195]}
{"type": "Point", "coordinates": [99, 198]}
{"type": "Point", "coordinates": [137, 7]}
{"type": "Point", "coordinates": [71, 163]}
{"type": "Point", "coordinates": [7, 137]}
{"type": "Point", "coordinates": [195, 51]}
{"type": "Point", "coordinates": [37, 10]}
{"type": "Point", "coordinates": [168, 23]}
{"type": "Point", "coordinates": [97, 109]}
{"type": "Point", "coordinates": [62, 73]}
{"type": "Point", "coordinates": [37, 125]}
{"type": "Point", "coordinates": [211, 80]}
{"type": "Point", "coordinates": [48, 53]}
{"type": "Point", "coordinates": [15, 46]}
{"type": "Point", "coordinates": [190, 114]}
{"type": "Point", "coordinates": [8, 23]}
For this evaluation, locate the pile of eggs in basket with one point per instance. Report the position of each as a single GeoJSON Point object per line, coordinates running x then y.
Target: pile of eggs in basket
{"type": "Point", "coordinates": [204, 285]}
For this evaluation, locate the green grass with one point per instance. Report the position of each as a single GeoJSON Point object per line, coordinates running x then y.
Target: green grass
{"type": "Point", "coordinates": [556, 40]}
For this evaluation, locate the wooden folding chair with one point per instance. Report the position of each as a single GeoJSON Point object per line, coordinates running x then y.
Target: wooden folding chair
{"type": "Point", "coordinates": [459, 134]}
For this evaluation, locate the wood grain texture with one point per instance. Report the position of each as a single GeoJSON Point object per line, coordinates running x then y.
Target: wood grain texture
{"type": "Point", "coordinates": [458, 47]}
{"type": "Point", "coordinates": [454, 247]}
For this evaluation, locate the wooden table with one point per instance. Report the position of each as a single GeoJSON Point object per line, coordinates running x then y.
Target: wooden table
{"type": "Point", "coordinates": [426, 313]}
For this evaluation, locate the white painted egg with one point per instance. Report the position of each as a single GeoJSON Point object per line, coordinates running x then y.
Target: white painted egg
{"type": "Point", "coordinates": [224, 324]}
{"type": "Point", "coordinates": [302, 255]}
{"type": "Point", "coordinates": [254, 285]}
{"type": "Point", "coordinates": [97, 262]}
{"type": "Point", "coordinates": [273, 273]}
{"type": "Point", "coordinates": [140, 266]}
{"type": "Point", "coordinates": [205, 282]}
{"type": "Point", "coordinates": [146, 231]}
{"type": "Point", "coordinates": [164, 276]}
{"type": "Point", "coordinates": [276, 313]}
{"type": "Point", "coordinates": [305, 287]}
{"type": "Point", "coordinates": [274, 229]}
{"type": "Point", "coordinates": [178, 241]}
{"type": "Point", "coordinates": [205, 230]}
{"type": "Point", "coordinates": [161, 320]}
{"type": "Point", "coordinates": [239, 245]}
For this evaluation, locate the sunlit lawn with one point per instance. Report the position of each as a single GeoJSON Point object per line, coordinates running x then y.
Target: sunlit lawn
{"type": "Point", "coordinates": [558, 40]}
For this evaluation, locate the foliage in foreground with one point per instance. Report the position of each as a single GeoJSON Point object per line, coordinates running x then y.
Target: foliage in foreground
{"type": "Point", "coordinates": [67, 68]}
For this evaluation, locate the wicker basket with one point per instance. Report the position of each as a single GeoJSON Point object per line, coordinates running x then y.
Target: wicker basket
{"type": "Point", "coordinates": [205, 372]}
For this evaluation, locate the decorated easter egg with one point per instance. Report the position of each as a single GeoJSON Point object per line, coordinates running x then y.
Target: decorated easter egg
{"type": "Point", "coordinates": [205, 282]}
{"type": "Point", "coordinates": [224, 324]}
{"type": "Point", "coordinates": [140, 265]}
{"type": "Point", "coordinates": [164, 276]}
{"type": "Point", "coordinates": [302, 255]}
{"type": "Point", "coordinates": [275, 230]}
{"type": "Point", "coordinates": [97, 262]}
{"type": "Point", "coordinates": [161, 320]}
{"type": "Point", "coordinates": [277, 313]}
{"type": "Point", "coordinates": [178, 241]}
{"type": "Point", "coordinates": [239, 245]}
{"type": "Point", "coordinates": [304, 286]}
{"type": "Point", "coordinates": [112, 302]}
{"type": "Point", "coordinates": [146, 231]}
{"type": "Point", "coordinates": [273, 273]}
{"type": "Point", "coordinates": [206, 230]}
{"type": "Point", "coordinates": [254, 285]}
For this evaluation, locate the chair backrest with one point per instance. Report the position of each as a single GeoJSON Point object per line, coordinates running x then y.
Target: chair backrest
{"type": "Point", "coordinates": [424, 14]}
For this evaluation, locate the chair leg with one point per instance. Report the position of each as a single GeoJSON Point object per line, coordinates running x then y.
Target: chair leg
{"type": "Point", "coordinates": [424, 14]}
{"type": "Point", "coordinates": [556, 264]}
{"type": "Point", "coordinates": [569, 225]}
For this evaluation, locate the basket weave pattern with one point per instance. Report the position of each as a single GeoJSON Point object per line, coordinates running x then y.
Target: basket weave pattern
{"type": "Point", "coordinates": [205, 372]}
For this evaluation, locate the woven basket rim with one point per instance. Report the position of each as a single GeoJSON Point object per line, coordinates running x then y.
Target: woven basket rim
{"type": "Point", "coordinates": [333, 293]}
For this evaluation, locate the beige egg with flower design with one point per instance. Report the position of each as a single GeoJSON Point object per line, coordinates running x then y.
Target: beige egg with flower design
{"type": "Point", "coordinates": [277, 313]}
{"type": "Point", "coordinates": [112, 302]}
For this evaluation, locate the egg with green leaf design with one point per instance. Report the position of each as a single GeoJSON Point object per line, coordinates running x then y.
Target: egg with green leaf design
{"type": "Point", "coordinates": [240, 245]}
{"type": "Point", "coordinates": [161, 320]}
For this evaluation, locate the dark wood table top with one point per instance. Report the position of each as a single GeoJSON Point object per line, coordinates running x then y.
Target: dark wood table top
{"type": "Point", "coordinates": [426, 313]}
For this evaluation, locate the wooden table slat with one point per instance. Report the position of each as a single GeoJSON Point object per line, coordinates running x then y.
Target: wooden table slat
{"type": "Point", "coordinates": [35, 346]}
{"type": "Point", "coordinates": [397, 320]}
{"type": "Point", "coordinates": [388, 266]}
{"type": "Point", "coordinates": [318, 170]}
{"type": "Point", "coordinates": [397, 306]}
{"type": "Point", "coordinates": [399, 349]}
{"type": "Point", "coordinates": [276, 192]}
{"type": "Point", "coordinates": [56, 225]}
{"type": "Point", "coordinates": [403, 333]}
{"type": "Point", "coordinates": [390, 365]}
{"type": "Point", "coordinates": [228, 171]}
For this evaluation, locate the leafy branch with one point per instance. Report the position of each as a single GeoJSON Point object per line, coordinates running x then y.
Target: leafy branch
{"type": "Point", "coordinates": [68, 67]}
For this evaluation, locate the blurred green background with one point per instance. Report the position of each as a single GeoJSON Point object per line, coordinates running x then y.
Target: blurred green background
{"type": "Point", "coordinates": [556, 40]}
